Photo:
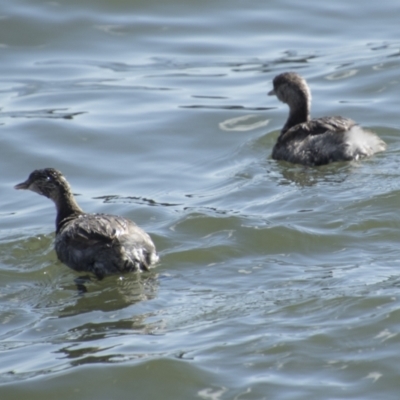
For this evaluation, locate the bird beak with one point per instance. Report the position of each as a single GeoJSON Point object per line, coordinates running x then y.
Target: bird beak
{"type": "Point", "coordinates": [24, 185]}
{"type": "Point", "coordinates": [272, 93]}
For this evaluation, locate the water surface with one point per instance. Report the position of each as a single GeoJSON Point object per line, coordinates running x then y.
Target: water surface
{"type": "Point", "coordinates": [276, 281]}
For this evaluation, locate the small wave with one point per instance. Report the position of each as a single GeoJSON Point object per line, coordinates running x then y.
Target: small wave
{"type": "Point", "coordinates": [244, 123]}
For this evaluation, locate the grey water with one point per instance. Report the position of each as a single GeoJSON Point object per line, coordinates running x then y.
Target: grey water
{"type": "Point", "coordinates": [276, 281]}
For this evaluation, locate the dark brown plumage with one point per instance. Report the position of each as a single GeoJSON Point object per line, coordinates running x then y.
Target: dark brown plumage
{"type": "Point", "coordinates": [321, 140]}
{"type": "Point", "coordinates": [99, 243]}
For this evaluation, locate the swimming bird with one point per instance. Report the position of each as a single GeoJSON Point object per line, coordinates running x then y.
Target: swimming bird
{"type": "Point", "coordinates": [317, 141]}
{"type": "Point", "coordinates": [99, 243]}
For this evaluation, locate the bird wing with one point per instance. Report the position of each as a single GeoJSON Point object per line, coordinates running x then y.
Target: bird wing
{"type": "Point", "coordinates": [89, 230]}
{"type": "Point", "coordinates": [318, 126]}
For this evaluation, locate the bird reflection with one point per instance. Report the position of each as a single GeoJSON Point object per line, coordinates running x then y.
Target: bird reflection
{"type": "Point", "coordinates": [304, 176]}
{"type": "Point", "coordinates": [113, 293]}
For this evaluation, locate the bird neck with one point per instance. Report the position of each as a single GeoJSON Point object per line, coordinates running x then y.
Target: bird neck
{"type": "Point", "coordinates": [297, 115]}
{"type": "Point", "coordinates": [67, 208]}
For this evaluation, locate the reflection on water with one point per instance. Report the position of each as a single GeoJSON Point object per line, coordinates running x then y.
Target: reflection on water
{"type": "Point", "coordinates": [134, 199]}
{"type": "Point", "coordinates": [270, 273]}
{"type": "Point", "coordinates": [305, 176]}
{"type": "Point", "coordinates": [113, 293]}
{"type": "Point", "coordinates": [56, 113]}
